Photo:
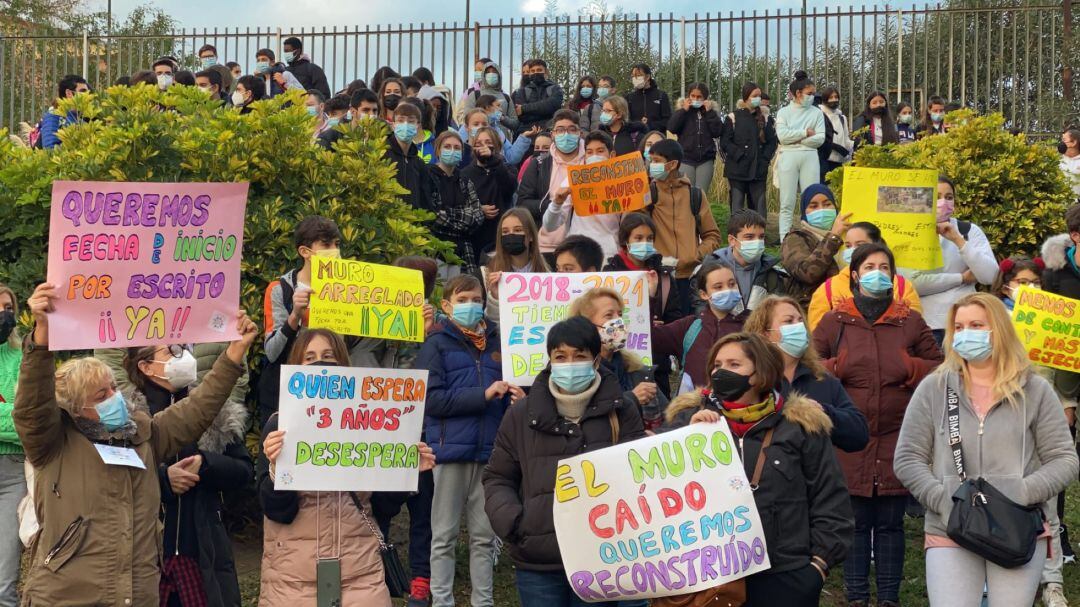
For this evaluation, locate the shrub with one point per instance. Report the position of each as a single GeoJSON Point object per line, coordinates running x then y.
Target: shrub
{"type": "Point", "coordinates": [143, 134]}
{"type": "Point", "coordinates": [1011, 189]}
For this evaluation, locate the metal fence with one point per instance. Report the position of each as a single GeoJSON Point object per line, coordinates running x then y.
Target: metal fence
{"type": "Point", "coordinates": [1008, 58]}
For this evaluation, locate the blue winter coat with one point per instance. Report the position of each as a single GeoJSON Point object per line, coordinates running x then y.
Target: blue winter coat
{"type": "Point", "coordinates": [51, 124]}
{"type": "Point", "coordinates": [850, 432]}
{"type": "Point", "coordinates": [459, 423]}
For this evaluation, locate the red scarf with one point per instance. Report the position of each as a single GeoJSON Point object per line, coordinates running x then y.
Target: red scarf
{"type": "Point", "coordinates": [727, 409]}
{"type": "Point", "coordinates": [631, 264]}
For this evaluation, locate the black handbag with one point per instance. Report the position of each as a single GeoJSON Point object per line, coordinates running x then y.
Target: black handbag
{"type": "Point", "coordinates": [984, 520]}
{"type": "Point", "coordinates": [397, 579]}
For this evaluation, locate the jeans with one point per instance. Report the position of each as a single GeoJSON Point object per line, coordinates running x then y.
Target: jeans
{"type": "Point", "coordinates": [956, 577]}
{"type": "Point", "coordinates": [12, 490]}
{"type": "Point", "coordinates": [551, 589]}
{"type": "Point", "coordinates": [387, 505]}
{"type": "Point", "coordinates": [748, 195]}
{"type": "Point", "coordinates": [458, 490]}
{"type": "Point", "coordinates": [879, 521]}
{"type": "Point", "coordinates": [700, 175]}
{"type": "Point", "coordinates": [797, 169]}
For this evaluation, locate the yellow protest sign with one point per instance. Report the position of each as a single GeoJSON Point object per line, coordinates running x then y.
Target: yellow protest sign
{"type": "Point", "coordinates": [366, 299]}
{"type": "Point", "coordinates": [1049, 327]}
{"type": "Point", "coordinates": [903, 204]}
{"type": "Point", "coordinates": [618, 185]}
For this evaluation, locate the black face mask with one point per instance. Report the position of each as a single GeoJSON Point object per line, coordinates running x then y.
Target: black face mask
{"type": "Point", "coordinates": [538, 78]}
{"type": "Point", "coordinates": [324, 363]}
{"type": "Point", "coordinates": [729, 385]}
{"type": "Point", "coordinates": [832, 105]}
{"type": "Point", "coordinates": [877, 111]}
{"type": "Point", "coordinates": [391, 102]}
{"type": "Point", "coordinates": [7, 324]}
{"type": "Point", "coordinates": [513, 244]}
{"type": "Point", "coordinates": [1062, 148]}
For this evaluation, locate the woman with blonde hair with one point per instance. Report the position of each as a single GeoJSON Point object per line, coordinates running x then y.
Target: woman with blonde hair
{"type": "Point", "coordinates": [604, 309]}
{"type": "Point", "coordinates": [517, 249]}
{"type": "Point", "coordinates": [780, 320]}
{"type": "Point", "coordinates": [1012, 433]}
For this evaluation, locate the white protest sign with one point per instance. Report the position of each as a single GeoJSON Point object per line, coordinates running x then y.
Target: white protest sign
{"type": "Point", "coordinates": [661, 516]}
{"type": "Point", "coordinates": [350, 429]}
{"type": "Point", "coordinates": [529, 304]}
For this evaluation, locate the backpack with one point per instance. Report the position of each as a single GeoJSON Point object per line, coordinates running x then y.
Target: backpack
{"type": "Point", "coordinates": [696, 200]}
{"type": "Point", "coordinates": [688, 340]}
{"type": "Point", "coordinates": [268, 390]}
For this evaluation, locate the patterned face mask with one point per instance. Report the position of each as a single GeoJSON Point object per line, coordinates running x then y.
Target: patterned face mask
{"type": "Point", "coordinates": [613, 334]}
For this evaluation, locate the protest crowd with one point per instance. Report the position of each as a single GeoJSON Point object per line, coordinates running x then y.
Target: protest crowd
{"type": "Point", "coordinates": [855, 391]}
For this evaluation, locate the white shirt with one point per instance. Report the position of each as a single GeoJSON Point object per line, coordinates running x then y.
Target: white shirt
{"type": "Point", "coordinates": [1071, 168]}
{"type": "Point", "coordinates": [939, 289]}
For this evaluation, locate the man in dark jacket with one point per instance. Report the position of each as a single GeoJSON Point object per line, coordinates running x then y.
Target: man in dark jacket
{"type": "Point", "coordinates": [539, 98]}
{"type": "Point", "coordinates": [412, 173]}
{"type": "Point", "coordinates": [648, 104]}
{"type": "Point", "coordinates": [309, 74]}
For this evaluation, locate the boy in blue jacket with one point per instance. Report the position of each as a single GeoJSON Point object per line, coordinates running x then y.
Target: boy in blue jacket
{"type": "Point", "coordinates": [51, 122]}
{"type": "Point", "coordinates": [465, 404]}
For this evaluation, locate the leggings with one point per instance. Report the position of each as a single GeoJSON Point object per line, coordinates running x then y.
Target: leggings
{"type": "Point", "coordinates": [797, 169]}
{"type": "Point", "coordinates": [956, 577]}
{"type": "Point", "coordinates": [699, 175]}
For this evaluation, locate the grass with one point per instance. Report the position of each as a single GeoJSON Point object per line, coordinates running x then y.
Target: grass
{"type": "Point", "coordinates": [912, 589]}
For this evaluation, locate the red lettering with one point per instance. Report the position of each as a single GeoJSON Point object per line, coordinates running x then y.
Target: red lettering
{"type": "Point", "coordinates": [601, 532]}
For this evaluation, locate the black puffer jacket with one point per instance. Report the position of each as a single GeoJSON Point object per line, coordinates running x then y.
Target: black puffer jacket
{"type": "Point", "coordinates": [495, 183]}
{"type": "Point", "coordinates": [310, 75]}
{"type": "Point", "coordinates": [413, 175]}
{"type": "Point", "coordinates": [627, 139]}
{"type": "Point", "coordinates": [519, 481]}
{"type": "Point", "coordinates": [538, 102]}
{"type": "Point", "coordinates": [802, 500]}
{"type": "Point", "coordinates": [697, 130]}
{"type": "Point", "coordinates": [651, 103]}
{"type": "Point", "coordinates": [748, 157]}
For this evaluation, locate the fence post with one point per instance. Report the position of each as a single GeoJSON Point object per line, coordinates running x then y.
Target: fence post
{"type": "Point", "coordinates": [682, 55]}
{"type": "Point", "coordinates": [85, 56]}
{"type": "Point", "coordinates": [900, 54]}
{"type": "Point", "coordinates": [1066, 48]}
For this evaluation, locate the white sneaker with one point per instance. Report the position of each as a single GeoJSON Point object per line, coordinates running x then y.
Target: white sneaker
{"type": "Point", "coordinates": [1053, 595]}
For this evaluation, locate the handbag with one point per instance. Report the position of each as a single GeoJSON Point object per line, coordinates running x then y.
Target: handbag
{"type": "Point", "coordinates": [731, 594]}
{"type": "Point", "coordinates": [397, 579]}
{"type": "Point", "coordinates": [983, 520]}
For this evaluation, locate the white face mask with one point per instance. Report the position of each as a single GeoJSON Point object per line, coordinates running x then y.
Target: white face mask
{"type": "Point", "coordinates": [238, 98]}
{"type": "Point", "coordinates": [181, 372]}
{"type": "Point", "coordinates": [164, 81]}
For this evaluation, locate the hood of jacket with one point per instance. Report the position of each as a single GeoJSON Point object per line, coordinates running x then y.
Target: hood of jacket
{"type": "Point", "coordinates": [483, 81]}
{"type": "Point", "coordinates": [229, 426]}
{"type": "Point", "coordinates": [708, 105]}
{"type": "Point", "coordinates": [727, 255]}
{"type": "Point", "coordinates": [1054, 252]}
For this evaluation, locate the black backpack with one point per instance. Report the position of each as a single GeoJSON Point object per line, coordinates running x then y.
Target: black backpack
{"type": "Point", "coordinates": [697, 198]}
{"type": "Point", "coordinates": [268, 389]}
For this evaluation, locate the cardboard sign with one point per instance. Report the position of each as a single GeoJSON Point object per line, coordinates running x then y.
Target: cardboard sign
{"type": "Point", "coordinates": [618, 185]}
{"type": "Point", "coordinates": [529, 304]}
{"type": "Point", "coordinates": [366, 299]}
{"type": "Point", "coordinates": [903, 203]}
{"type": "Point", "coordinates": [350, 429]}
{"type": "Point", "coordinates": [1049, 327]}
{"type": "Point", "coordinates": [138, 264]}
{"type": "Point", "coordinates": [661, 516]}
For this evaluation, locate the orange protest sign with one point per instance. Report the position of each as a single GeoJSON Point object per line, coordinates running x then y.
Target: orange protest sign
{"type": "Point", "coordinates": [618, 185]}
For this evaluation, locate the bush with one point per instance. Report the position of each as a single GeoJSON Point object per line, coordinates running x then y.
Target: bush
{"type": "Point", "coordinates": [143, 134]}
{"type": "Point", "coordinates": [1014, 191]}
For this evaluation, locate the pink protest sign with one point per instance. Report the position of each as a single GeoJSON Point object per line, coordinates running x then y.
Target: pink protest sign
{"type": "Point", "coordinates": [137, 264]}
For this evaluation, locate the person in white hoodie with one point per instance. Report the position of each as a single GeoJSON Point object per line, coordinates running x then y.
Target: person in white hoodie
{"type": "Point", "coordinates": [800, 127]}
{"type": "Point", "coordinates": [968, 260]}
{"type": "Point", "coordinates": [601, 228]}
{"type": "Point", "coordinates": [838, 144]}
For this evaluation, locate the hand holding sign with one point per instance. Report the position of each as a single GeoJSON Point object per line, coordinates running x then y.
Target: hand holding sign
{"type": "Point", "coordinates": [41, 304]}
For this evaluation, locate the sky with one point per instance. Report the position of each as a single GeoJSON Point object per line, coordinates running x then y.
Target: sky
{"type": "Point", "coordinates": [296, 13]}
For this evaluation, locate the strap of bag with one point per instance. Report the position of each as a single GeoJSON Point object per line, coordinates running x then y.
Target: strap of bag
{"type": "Point", "coordinates": [759, 466]}
{"type": "Point", "coordinates": [828, 292]}
{"type": "Point", "coordinates": [901, 287]}
{"type": "Point", "coordinates": [689, 339]}
{"type": "Point", "coordinates": [952, 413]}
{"type": "Point", "coordinates": [367, 521]}
{"type": "Point", "coordinates": [613, 419]}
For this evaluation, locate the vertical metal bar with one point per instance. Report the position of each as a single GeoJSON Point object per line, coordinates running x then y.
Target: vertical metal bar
{"type": "Point", "coordinates": [1039, 83]}
{"type": "Point", "coordinates": [813, 38]}
{"type": "Point", "coordinates": [3, 57]}
{"type": "Point", "coordinates": [1013, 69]}
{"type": "Point", "coordinates": [1027, 70]}
{"type": "Point", "coordinates": [899, 53]}
{"type": "Point", "coordinates": [952, 67]}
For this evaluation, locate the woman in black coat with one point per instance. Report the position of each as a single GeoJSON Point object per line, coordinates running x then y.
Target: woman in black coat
{"type": "Point", "coordinates": [495, 183]}
{"type": "Point", "coordinates": [697, 125]}
{"type": "Point", "coordinates": [749, 143]}
{"type": "Point", "coordinates": [878, 122]}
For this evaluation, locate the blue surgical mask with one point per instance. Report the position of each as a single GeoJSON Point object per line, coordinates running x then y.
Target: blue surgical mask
{"type": "Point", "coordinates": [450, 157]}
{"type": "Point", "coordinates": [586, 92]}
{"type": "Point", "coordinates": [937, 116]}
{"type": "Point", "coordinates": [468, 314]}
{"type": "Point", "coordinates": [646, 154]}
{"type": "Point", "coordinates": [261, 67]}
{"type": "Point", "coordinates": [603, 92]}
{"type": "Point", "coordinates": [807, 100]}
{"type": "Point", "coordinates": [875, 282]}
{"type": "Point", "coordinates": [573, 378]}
{"type": "Point", "coordinates": [567, 143]}
{"type": "Point", "coordinates": [209, 62]}
{"type": "Point", "coordinates": [641, 250]}
{"type": "Point", "coordinates": [594, 159]}
{"type": "Point", "coordinates": [332, 122]}
{"type": "Point", "coordinates": [751, 250]}
{"type": "Point", "coordinates": [492, 79]}
{"type": "Point", "coordinates": [972, 345]}
{"type": "Point", "coordinates": [794, 339]}
{"type": "Point", "coordinates": [473, 131]}
{"type": "Point", "coordinates": [821, 219]}
{"type": "Point", "coordinates": [847, 255]}
{"type": "Point", "coordinates": [312, 110]}
{"type": "Point", "coordinates": [696, 103]}
{"type": "Point", "coordinates": [606, 118]}
{"type": "Point", "coordinates": [657, 170]}
{"type": "Point", "coordinates": [113, 412]}
{"type": "Point", "coordinates": [725, 300]}
{"type": "Point", "coordinates": [404, 131]}
{"type": "Point", "coordinates": [495, 117]}
{"type": "Point", "coordinates": [755, 102]}
{"type": "Point", "coordinates": [477, 75]}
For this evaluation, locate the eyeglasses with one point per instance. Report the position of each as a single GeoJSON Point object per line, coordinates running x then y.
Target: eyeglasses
{"type": "Point", "coordinates": [573, 130]}
{"type": "Point", "coordinates": [175, 351]}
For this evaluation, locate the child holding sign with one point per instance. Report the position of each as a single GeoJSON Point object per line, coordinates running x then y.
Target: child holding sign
{"type": "Point", "coordinates": [599, 227]}
{"type": "Point", "coordinates": [465, 403]}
